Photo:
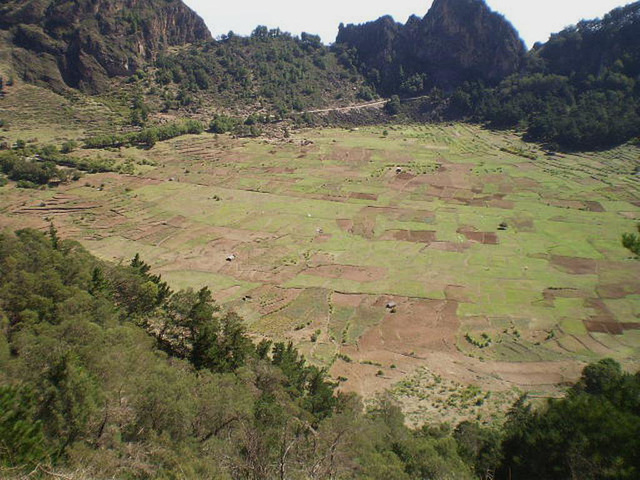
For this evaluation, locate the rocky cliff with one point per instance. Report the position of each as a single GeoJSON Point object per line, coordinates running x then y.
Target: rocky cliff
{"type": "Point", "coordinates": [457, 40]}
{"type": "Point", "coordinates": [83, 43]}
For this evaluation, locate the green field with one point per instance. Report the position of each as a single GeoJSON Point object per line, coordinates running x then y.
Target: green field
{"type": "Point", "coordinates": [471, 234]}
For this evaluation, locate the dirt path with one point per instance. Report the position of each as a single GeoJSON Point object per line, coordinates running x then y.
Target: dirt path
{"type": "Point", "coordinates": [377, 103]}
{"type": "Point", "coordinates": [358, 106]}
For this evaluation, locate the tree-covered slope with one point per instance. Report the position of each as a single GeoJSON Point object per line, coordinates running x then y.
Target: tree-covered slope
{"type": "Point", "coordinates": [270, 71]}
{"type": "Point", "coordinates": [592, 46]}
{"type": "Point", "coordinates": [107, 373]}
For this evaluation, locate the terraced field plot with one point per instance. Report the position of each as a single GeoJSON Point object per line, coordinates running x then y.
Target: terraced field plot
{"type": "Point", "coordinates": [467, 252]}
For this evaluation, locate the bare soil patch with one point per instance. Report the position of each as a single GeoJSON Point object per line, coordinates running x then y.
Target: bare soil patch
{"type": "Point", "coordinates": [630, 215]}
{"type": "Point", "coordinates": [486, 238]}
{"type": "Point", "coordinates": [617, 291]}
{"type": "Point", "coordinates": [405, 176]}
{"type": "Point", "coordinates": [456, 175]}
{"type": "Point", "coordinates": [594, 206]}
{"type": "Point", "coordinates": [345, 224]}
{"type": "Point", "coordinates": [269, 299]}
{"type": "Point", "coordinates": [352, 300]}
{"type": "Point", "coordinates": [604, 321]}
{"type": "Point", "coordinates": [363, 196]}
{"type": "Point", "coordinates": [279, 170]}
{"type": "Point", "coordinates": [575, 265]}
{"type": "Point", "coordinates": [364, 223]}
{"type": "Point", "coordinates": [456, 293]}
{"type": "Point", "coordinates": [416, 236]}
{"type": "Point", "coordinates": [416, 326]}
{"type": "Point", "coordinates": [603, 314]}
{"type": "Point", "coordinates": [612, 328]}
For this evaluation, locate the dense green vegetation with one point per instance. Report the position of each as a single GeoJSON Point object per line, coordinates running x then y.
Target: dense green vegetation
{"type": "Point", "coordinates": [146, 137]}
{"type": "Point", "coordinates": [28, 173]}
{"type": "Point", "coordinates": [592, 433]}
{"type": "Point", "coordinates": [105, 369]}
{"type": "Point", "coordinates": [631, 242]}
{"type": "Point", "coordinates": [33, 167]}
{"type": "Point", "coordinates": [271, 69]}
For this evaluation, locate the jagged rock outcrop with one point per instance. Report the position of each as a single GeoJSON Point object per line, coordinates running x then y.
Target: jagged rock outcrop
{"type": "Point", "coordinates": [83, 43]}
{"type": "Point", "coordinates": [457, 40]}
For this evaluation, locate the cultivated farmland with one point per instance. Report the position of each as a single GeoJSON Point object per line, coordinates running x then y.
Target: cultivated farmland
{"type": "Point", "coordinates": [419, 253]}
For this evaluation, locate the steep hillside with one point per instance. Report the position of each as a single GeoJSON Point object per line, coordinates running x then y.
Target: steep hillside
{"type": "Point", "coordinates": [81, 44]}
{"type": "Point", "coordinates": [579, 90]}
{"type": "Point", "coordinates": [270, 71]}
{"type": "Point", "coordinates": [457, 41]}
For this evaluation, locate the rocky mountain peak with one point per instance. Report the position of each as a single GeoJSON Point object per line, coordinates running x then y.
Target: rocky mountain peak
{"type": "Point", "coordinates": [456, 41]}
{"type": "Point", "coordinates": [467, 39]}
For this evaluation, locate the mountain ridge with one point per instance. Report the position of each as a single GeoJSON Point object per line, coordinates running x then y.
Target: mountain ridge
{"type": "Point", "coordinates": [468, 59]}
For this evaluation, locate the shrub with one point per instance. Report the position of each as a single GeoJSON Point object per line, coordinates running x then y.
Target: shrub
{"type": "Point", "coordinates": [69, 146]}
{"type": "Point", "coordinates": [26, 184]}
{"type": "Point", "coordinates": [392, 107]}
{"type": "Point", "coordinates": [223, 124]}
